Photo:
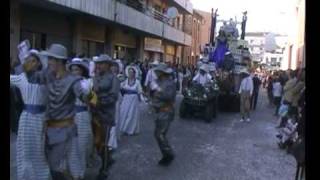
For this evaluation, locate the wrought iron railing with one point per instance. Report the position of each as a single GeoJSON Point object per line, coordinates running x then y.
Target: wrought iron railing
{"type": "Point", "coordinates": [147, 11]}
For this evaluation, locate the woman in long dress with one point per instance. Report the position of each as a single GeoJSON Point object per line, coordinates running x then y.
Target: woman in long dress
{"type": "Point", "coordinates": [31, 160]}
{"type": "Point", "coordinates": [129, 108]}
{"type": "Point", "coordinates": [83, 117]}
{"type": "Point", "coordinates": [114, 132]}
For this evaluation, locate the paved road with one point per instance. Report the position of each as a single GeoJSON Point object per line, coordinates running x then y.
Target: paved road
{"type": "Point", "coordinates": [226, 149]}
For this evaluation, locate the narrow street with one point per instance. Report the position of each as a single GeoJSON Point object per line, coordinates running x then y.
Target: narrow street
{"type": "Point", "coordinates": [226, 149]}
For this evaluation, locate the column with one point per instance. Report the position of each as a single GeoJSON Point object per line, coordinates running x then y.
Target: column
{"type": "Point", "coordinates": [140, 48]}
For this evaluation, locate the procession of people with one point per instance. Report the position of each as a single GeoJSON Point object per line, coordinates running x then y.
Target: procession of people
{"type": "Point", "coordinates": [73, 113]}
{"type": "Point", "coordinates": [76, 111]}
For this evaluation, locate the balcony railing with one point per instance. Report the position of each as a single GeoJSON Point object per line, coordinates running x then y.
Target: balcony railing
{"type": "Point", "coordinates": [147, 11]}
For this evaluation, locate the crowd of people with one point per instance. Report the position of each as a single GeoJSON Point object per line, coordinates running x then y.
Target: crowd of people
{"type": "Point", "coordinates": [74, 112]}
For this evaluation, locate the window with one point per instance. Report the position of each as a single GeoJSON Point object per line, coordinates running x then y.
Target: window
{"type": "Point", "coordinates": [37, 40]}
{"type": "Point", "coordinates": [92, 48]}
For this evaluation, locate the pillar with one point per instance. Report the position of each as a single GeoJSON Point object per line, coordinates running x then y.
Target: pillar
{"type": "Point", "coordinates": [140, 48]}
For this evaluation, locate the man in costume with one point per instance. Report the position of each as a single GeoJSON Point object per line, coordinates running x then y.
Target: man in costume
{"type": "Point", "coordinates": [163, 102]}
{"type": "Point", "coordinates": [61, 131]}
{"type": "Point", "coordinates": [106, 85]}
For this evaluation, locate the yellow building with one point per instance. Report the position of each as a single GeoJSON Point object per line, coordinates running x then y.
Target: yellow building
{"type": "Point", "coordinates": [295, 50]}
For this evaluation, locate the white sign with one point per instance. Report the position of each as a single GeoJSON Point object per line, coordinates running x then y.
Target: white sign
{"type": "Point", "coordinates": [23, 49]}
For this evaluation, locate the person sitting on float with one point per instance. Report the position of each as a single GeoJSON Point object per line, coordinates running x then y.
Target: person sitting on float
{"type": "Point", "coordinates": [203, 77]}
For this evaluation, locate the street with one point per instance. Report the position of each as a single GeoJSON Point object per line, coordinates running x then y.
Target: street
{"type": "Point", "coordinates": [225, 149]}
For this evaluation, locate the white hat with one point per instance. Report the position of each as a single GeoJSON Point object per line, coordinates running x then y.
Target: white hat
{"type": "Point", "coordinates": [164, 68]}
{"type": "Point", "coordinates": [80, 62]}
{"type": "Point", "coordinates": [134, 68]}
{"type": "Point", "coordinates": [204, 67]}
{"type": "Point", "coordinates": [104, 58]}
{"type": "Point", "coordinates": [156, 62]}
{"type": "Point", "coordinates": [34, 52]}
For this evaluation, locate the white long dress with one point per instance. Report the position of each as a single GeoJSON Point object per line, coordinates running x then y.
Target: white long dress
{"type": "Point", "coordinates": [114, 132]}
{"type": "Point", "coordinates": [85, 135]}
{"type": "Point", "coordinates": [129, 108]}
{"type": "Point", "coordinates": [31, 160]}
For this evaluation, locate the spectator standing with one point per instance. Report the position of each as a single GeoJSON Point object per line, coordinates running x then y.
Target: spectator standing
{"type": "Point", "coordinates": [256, 87]}
{"type": "Point", "coordinates": [245, 91]}
{"type": "Point", "coordinates": [269, 89]}
{"type": "Point", "coordinates": [277, 92]}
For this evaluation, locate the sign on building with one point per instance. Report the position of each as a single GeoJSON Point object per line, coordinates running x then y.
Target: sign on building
{"type": "Point", "coordinates": [152, 44]}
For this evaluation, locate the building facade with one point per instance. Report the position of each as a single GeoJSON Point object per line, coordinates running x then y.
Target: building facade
{"type": "Point", "coordinates": [127, 29]}
{"type": "Point", "coordinates": [205, 28]}
{"type": "Point", "coordinates": [273, 60]}
{"type": "Point", "coordinates": [193, 25]}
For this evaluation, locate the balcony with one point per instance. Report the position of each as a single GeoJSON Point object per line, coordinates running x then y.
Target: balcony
{"type": "Point", "coordinates": [130, 13]}
{"type": "Point", "coordinates": [185, 4]}
{"type": "Point", "coordinates": [131, 17]}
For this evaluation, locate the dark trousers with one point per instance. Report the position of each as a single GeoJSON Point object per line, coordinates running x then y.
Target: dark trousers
{"type": "Point", "coordinates": [254, 99]}
{"type": "Point", "coordinates": [162, 126]}
{"type": "Point", "coordinates": [277, 101]}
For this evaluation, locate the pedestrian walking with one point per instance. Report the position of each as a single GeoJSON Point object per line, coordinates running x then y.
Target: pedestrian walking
{"type": "Point", "coordinates": [129, 108]}
{"type": "Point", "coordinates": [31, 161]}
{"type": "Point", "coordinates": [107, 87]}
{"type": "Point", "coordinates": [277, 92]}
{"type": "Point", "coordinates": [164, 105]}
{"type": "Point", "coordinates": [61, 131]}
{"type": "Point", "coordinates": [80, 67]}
{"type": "Point", "coordinates": [151, 78]}
{"type": "Point", "coordinates": [270, 89]}
{"type": "Point", "coordinates": [255, 95]}
{"type": "Point", "coordinates": [245, 91]}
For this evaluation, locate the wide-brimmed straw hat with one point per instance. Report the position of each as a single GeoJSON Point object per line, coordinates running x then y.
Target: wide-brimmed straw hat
{"type": "Point", "coordinates": [57, 51]}
{"type": "Point", "coordinates": [163, 68]}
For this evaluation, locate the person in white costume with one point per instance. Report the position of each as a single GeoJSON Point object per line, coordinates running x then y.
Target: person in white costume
{"type": "Point", "coordinates": [31, 160]}
{"type": "Point", "coordinates": [114, 132]}
{"type": "Point", "coordinates": [202, 77]}
{"type": "Point", "coordinates": [129, 108]}
{"type": "Point", "coordinates": [80, 67]}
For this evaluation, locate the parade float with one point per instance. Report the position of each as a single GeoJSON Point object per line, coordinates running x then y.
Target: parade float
{"type": "Point", "coordinates": [230, 55]}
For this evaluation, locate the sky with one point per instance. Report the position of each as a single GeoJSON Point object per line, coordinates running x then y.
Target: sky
{"type": "Point", "coordinates": [263, 15]}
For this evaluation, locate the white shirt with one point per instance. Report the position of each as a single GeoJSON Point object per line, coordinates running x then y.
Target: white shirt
{"type": "Point", "coordinates": [246, 85]}
{"type": "Point", "coordinates": [150, 78]}
{"type": "Point", "coordinates": [202, 79]}
{"type": "Point", "coordinates": [277, 89]}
